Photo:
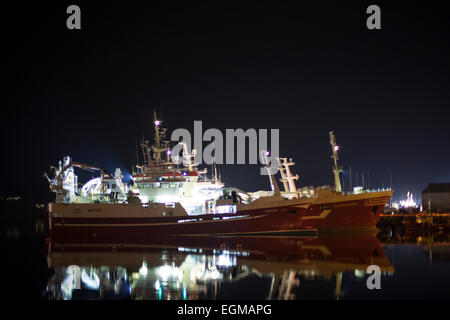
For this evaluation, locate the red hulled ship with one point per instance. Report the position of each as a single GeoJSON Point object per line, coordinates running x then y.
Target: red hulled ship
{"type": "Point", "coordinates": [169, 200]}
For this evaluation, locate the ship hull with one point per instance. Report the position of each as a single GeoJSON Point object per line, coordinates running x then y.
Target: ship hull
{"type": "Point", "coordinates": [141, 228]}
{"type": "Point", "coordinates": [94, 222]}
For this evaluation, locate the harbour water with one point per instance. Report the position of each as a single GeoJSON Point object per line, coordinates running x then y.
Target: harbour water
{"type": "Point", "coordinates": [413, 266]}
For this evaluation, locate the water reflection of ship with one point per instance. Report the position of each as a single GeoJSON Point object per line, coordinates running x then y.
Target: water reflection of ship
{"type": "Point", "coordinates": [217, 268]}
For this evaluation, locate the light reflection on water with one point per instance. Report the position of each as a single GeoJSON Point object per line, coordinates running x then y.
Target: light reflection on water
{"type": "Point", "coordinates": [414, 266]}
{"type": "Point", "coordinates": [331, 267]}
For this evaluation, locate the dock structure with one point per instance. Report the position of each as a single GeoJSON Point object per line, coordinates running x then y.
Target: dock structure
{"type": "Point", "coordinates": [422, 220]}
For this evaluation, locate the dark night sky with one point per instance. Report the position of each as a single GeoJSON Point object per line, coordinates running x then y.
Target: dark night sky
{"type": "Point", "coordinates": [305, 69]}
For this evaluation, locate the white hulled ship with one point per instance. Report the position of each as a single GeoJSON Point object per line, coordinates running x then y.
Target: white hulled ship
{"type": "Point", "coordinates": [157, 180]}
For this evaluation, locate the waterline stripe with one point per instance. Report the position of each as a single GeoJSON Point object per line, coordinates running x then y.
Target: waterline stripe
{"type": "Point", "coordinates": [151, 224]}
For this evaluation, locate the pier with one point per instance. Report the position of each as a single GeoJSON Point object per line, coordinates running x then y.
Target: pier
{"type": "Point", "coordinates": [420, 220]}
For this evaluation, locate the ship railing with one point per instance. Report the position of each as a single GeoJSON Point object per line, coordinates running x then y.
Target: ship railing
{"type": "Point", "coordinates": [367, 191]}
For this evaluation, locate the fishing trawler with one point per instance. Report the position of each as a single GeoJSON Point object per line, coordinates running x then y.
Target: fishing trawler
{"type": "Point", "coordinates": [167, 199]}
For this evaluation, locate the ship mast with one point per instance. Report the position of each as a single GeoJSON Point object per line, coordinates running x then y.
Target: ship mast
{"type": "Point", "coordinates": [273, 182]}
{"type": "Point", "coordinates": [283, 176]}
{"type": "Point", "coordinates": [286, 176]}
{"type": "Point", "coordinates": [160, 133]}
{"type": "Point", "coordinates": [336, 168]}
{"type": "Point", "coordinates": [145, 152]}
